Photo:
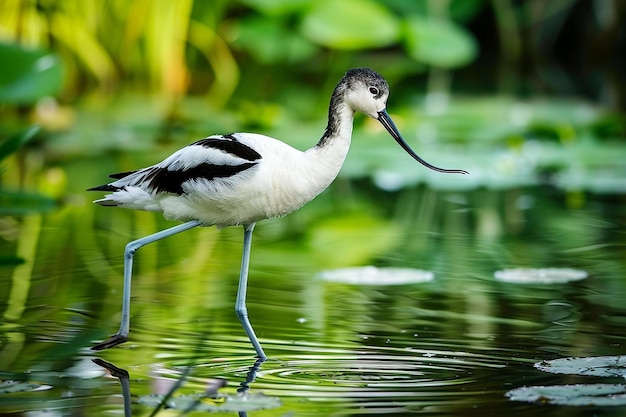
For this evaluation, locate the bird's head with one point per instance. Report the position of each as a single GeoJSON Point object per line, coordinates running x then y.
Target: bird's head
{"type": "Point", "coordinates": [367, 92]}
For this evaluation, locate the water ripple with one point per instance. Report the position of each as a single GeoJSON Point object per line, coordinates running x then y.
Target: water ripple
{"type": "Point", "coordinates": [367, 377]}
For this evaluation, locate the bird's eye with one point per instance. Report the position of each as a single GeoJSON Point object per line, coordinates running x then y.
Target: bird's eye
{"type": "Point", "coordinates": [374, 90]}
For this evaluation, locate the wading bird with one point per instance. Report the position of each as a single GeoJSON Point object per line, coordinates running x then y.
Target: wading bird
{"type": "Point", "coordinates": [241, 178]}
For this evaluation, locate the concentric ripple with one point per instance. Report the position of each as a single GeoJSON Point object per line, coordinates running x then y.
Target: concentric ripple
{"type": "Point", "coordinates": [361, 374]}
{"type": "Point", "coordinates": [365, 377]}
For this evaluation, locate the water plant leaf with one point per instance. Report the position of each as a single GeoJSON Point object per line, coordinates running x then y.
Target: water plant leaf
{"type": "Point", "coordinates": [220, 402]}
{"type": "Point", "coordinates": [540, 275]}
{"type": "Point", "coordinates": [32, 74]}
{"type": "Point", "coordinates": [608, 366]}
{"type": "Point", "coordinates": [576, 395]}
{"type": "Point", "coordinates": [11, 387]}
{"type": "Point", "coordinates": [371, 275]}
{"type": "Point", "coordinates": [439, 42]}
{"type": "Point", "coordinates": [350, 24]}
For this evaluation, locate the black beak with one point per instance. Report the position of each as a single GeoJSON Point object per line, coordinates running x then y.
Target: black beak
{"type": "Point", "coordinates": [385, 120]}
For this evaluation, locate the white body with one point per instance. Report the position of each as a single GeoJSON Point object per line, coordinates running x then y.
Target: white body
{"type": "Point", "coordinates": [242, 178]}
{"type": "Point", "coordinates": [282, 181]}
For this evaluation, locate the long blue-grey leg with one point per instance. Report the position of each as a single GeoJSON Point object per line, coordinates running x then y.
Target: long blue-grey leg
{"type": "Point", "coordinates": [240, 304]}
{"type": "Point", "coordinates": [122, 335]}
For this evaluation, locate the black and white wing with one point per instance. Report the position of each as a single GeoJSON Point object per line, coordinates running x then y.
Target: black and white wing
{"type": "Point", "coordinates": [208, 159]}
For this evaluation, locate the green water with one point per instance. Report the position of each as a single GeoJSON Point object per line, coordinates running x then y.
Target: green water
{"type": "Point", "coordinates": [452, 346]}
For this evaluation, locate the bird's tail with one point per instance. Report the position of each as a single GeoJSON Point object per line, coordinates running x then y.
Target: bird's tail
{"type": "Point", "coordinates": [107, 202]}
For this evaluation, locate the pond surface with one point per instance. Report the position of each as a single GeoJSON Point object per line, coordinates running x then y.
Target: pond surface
{"type": "Point", "coordinates": [452, 345]}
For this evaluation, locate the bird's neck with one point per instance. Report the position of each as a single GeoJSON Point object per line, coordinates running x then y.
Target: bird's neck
{"type": "Point", "coordinates": [315, 169]}
{"type": "Point", "coordinates": [326, 158]}
{"type": "Point", "coordinates": [339, 127]}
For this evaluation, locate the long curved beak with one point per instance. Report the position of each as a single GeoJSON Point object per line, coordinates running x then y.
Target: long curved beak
{"type": "Point", "coordinates": [385, 120]}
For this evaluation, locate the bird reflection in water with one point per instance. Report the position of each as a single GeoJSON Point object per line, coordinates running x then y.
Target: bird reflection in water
{"type": "Point", "coordinates": [211, 392]}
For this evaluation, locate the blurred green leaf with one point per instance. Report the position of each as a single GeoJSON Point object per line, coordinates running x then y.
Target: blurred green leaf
{"type": "Point", "coordinates": [439, 42]}
{"type": "Point", "coordinates": [31, 75]}
{"type": "Point", "coordinates": [350, 24]}
{"type": "Point", "coordinates": [271, 42]}
{"type": "Point", "coordinates": [277, 7]}
{"type": "Point", "coordinates": [16, 141]}
{"type": "Point", "coordinates": [463, 10]}
{"type": "Point", "coordinates": [17, 202]}
{"type": "Point", "coordinates": [458, 10]}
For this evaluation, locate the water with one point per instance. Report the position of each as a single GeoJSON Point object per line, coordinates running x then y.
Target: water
{"type": "Point", "coordinates": [450, 346]}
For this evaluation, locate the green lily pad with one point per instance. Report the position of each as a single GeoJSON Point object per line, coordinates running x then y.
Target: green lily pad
{"type": "Point", "coordinates": [540, 275]}
{"type": "Point", "coordinates": [371, 275]}
{"type": "Point", "coordinates": [220, 402]}
{"type": "Point", "coordinates": [11, 387]}
{"type": "Point", "coordinates": [576, 395]}
{"type": "Point", "coordinates": [611, 366]}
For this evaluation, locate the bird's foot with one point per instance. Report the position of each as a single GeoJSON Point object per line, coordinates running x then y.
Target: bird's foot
{"type": "Point", "coordinates": [114, 370]}
{"type": "Point", "coordinates": [114, 340]}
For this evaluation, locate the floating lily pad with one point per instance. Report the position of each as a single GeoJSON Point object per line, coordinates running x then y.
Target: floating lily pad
{"type": "Point", "coordinates": [578, 395]}
{"type": "Point", "coordinates": [371, 275]}
{"type": "Point", "coordinates": [11, 387]}
{"type": "Point", "coordinates": [220, 402]}
{"type": "Point", "coordinates": [589, 366]}
{"type": "Point", "coordinates": [540, 275]}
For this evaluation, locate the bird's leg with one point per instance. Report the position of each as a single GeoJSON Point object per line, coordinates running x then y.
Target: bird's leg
{"type": "Point", "coordinates": [122, 335]}
{"type": "Point", "coordinates": [240, 304]}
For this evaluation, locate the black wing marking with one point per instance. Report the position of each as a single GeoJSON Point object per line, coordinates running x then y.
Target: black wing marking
{"type": "Point", "coordinates": [169, 175]}
{"type": "Point", "coordinates": [105, 187]}
{"type": "Point", "coordinates": [164, 180]}
{"type": "Point", "coordinates": [110, 187]}
{"type": "Point", "coordinates": [120, 175]}
{"type": "Point", "coordinates": [229, 144]}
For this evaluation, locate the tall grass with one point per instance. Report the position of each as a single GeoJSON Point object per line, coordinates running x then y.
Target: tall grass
{"type": "Point", "coordinates": [104, 43]}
